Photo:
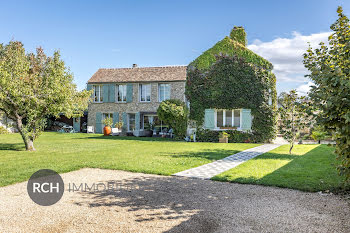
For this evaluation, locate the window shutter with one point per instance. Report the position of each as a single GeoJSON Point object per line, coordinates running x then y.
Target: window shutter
{"type": "Point", "coordinates": [246, 119]}
{"type": "Point", "coordinates": [111, 93]}
{"type": "Point", "coordinates": [98, 122]}
{"type": "Point", "coordinates": [125, 121]}
{"type": "Point", "coordinates": [89, 88]}
{"type": "Point", "coordinates": [129, 92]}
{"type": "Point", "coordinates": [115, 118]}
{"type": "Point", "coordinates": [209, 119]}
{"type": "Point", "coordinates": [105, 93]}
{"type": "Point", "coordinates": [137, 121]}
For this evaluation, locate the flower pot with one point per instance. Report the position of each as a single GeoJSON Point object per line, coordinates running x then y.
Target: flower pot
{"type": "Point", "coordinates": [223, 140]}
{"type": "Point", "coordinates": [107, 131]}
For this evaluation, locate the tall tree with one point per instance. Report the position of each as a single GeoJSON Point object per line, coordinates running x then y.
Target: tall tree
{"type": "Point", "coordinates": [329, 68]}
{"type": "Point", "coordinates": [293, 117]}
{"type": "Point", "coordinates": [35, 86]}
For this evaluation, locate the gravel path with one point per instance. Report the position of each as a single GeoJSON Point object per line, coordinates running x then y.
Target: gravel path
{"type": "Point", "coordinates": [151, 203]}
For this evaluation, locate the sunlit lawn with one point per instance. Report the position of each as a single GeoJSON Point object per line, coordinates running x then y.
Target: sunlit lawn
{"type": "Point", "coordinates": [309, 168]}
{"type": "Point", "coordinates": [68, 152]}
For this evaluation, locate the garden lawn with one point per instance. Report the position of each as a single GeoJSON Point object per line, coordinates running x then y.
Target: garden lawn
{"type": "Point", "coordinates": [68, 152]}
{"type": "Point", "coordinates": [308, 168]}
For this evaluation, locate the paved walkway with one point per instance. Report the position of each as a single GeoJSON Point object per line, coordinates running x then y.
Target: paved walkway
{"type": "Point", "coordinates": [209, 170]}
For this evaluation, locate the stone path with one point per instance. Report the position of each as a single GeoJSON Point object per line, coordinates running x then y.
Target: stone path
{"type": "Point", "coordinates": [209, 170]}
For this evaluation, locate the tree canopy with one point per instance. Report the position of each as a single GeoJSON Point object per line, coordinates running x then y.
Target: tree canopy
{"type": "Point", "coordinates": [329, 68]}
{"type": "Point", "coordinates": [34, 87]}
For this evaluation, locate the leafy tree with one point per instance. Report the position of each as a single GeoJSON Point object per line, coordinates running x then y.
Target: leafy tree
{"type": "Point", "coordinates": [318, 134]}
{"type": "Point", "coordinates": [292, 115]}
{"type": "Point", "coordinates": [330, 72]}
{"type": "Point", "coordinates": [174, 113]}
{"type": "Point", "coordinates": [34, 87]}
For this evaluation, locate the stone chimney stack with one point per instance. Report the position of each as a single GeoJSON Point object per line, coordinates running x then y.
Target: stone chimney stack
{"type": "Point", "coordinates": [134, 65]}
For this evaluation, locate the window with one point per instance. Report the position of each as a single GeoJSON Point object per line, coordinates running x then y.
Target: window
{"type": "Point", "coordinates": [106, 115]}
{"type": "Point", "coordinates": [121, 93]}
{"type": "Point", "coordinates": [163, 92]}
{"type": "Point", "coordinates": [98, 93]}
{"type": "Point", "coordinates": [131, 122]}
{"type": "Point", "coordinates": [228, 118]}
{"type": "Point", "coordinates": [145, 92]}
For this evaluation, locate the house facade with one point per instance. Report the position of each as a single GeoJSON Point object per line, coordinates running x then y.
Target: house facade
{"type": "Point", "coordinates": [132, 95]}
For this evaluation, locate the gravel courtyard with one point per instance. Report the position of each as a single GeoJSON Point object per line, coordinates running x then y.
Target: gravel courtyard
{"type": "Point", "coordinates": [152, 203]}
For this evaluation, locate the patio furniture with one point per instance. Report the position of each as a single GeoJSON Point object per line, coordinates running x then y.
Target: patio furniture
{"type": "Point", "coordinates": [116, 131]}
{"type": "Point", "coordinates": [90, 129]}
{"type": "Point", "coordinates": [67, 129]}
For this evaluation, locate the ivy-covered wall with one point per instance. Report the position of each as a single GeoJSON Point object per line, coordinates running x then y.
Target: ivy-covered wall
{"type": "Point", "coordinates": [229, 76]}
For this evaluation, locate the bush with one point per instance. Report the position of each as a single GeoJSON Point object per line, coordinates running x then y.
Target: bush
{"type": "Point", "coordinates": [206, 135]}
{"type": "Point", "coordinates": [239, 136]}
{"type": "Point", "coordinates": [174, 113]}
{"type": "Point", "coordinates": [3, 130]}
{"type": "Point", "coordinates": [234, 136]}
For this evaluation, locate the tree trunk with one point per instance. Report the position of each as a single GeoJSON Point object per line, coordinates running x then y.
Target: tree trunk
{"type": "Point", "coordinates": [291, 148]}
{"type": "Point", "coordinates": [28, 142]}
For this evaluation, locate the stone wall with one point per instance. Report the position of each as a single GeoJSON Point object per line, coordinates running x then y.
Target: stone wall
{"type": "Point", "coordinates": [177, 91]}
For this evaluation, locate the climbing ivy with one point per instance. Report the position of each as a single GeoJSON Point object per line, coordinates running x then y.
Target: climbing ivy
{"type": "Point", "coordinates": [233, 83]}
{"type": "Point", "coordinates": [228, 47]}
{"type": "Point", "coordinates": [238, 34]}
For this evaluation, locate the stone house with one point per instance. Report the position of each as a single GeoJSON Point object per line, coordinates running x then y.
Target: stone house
{"type": "Point", "coordinates": [132, 95]}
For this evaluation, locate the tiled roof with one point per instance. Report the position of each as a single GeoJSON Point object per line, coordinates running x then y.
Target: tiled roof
{"type": "Point", "coordinates": [140, 74]}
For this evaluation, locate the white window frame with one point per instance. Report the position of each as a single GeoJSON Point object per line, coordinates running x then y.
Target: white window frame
{"type": "Point", "coordinates": [143, 119]}
{"type": "Point", "coordinates": [224, 118]}
{"type": "Point", "coordinates": [117, 93]}
{"type": "Point", "coordinates": [128, 123]}
{"type": "Point", "coordinates": [100, 93]}
{"type": "Point", "coordinates": [159, 94]}
{"type": "Point", "coordinates": [150, 93]}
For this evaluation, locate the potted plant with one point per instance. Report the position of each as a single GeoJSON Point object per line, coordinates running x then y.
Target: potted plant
{"type": "Point", "coordinates": [223, 137]}
{"type": "Point", "coordinates": [108, 122]}
{"type": "Point", "coordinates": [118, 126]}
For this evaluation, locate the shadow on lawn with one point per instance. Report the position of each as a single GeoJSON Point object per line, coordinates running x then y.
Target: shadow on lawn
{"type": "Point", "coordinates": [12, 146]}
{"type": "Point", "coordinates": [131, 138]}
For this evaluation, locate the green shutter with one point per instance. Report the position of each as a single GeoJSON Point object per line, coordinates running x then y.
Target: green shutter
{"type": "Point", "coordinates": [111, 93]}
{"type": "Point", "coordinates": [89, 88]}
{"type": "Point", "coordinates": [115, 118]}
{"type": "Point", "coordinates": [98, 122]}
{"type": "Point", "coordinates": [129, 92]}
{"type": "Point", "coordinates": [105, 93]}
{"type": "Point", "coordinates": [246, 119]}
{"type": "Point", "coordinates": [209, 119]}
{"type": "Point", "coordinates": [125, 121]}
{"type": "Point", "coordinates": [137, 121]}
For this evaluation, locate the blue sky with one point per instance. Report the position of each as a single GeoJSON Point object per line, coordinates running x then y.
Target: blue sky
{"type": "Point", "coordinates": [109, 34]}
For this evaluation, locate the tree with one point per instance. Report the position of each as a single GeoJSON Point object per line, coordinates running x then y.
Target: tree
{"type": "Point", "coordinates": [292, 116]}
{"type": "Point", "coordinates": [329, 68]}
{"type": "Point", "coordinates": [34, 87]}
{"type": "Point", "coordinates": [174, 113]}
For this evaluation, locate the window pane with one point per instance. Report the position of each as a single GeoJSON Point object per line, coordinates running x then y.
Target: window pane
{"type": "Point", "coordinates": [145, 92]}
{"type": "Point", "coordinates": [237, 120]}
{"type": "Point", "coordinates": [220, 118]}
{"type": "Point", "coordinates": [121, 93]}
{"type": "Point", "coordinates": [101, 94]}
{"type": "Point", "coordinates": [131, 122]}
{"type": "Point", "coordinates": [164, 92]}
{"type": "Point", "coordinates": [228, 122]}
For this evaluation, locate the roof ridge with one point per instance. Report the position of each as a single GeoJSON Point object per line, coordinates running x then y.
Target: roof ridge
{"type": "Point", "coordinates": [144, 67]}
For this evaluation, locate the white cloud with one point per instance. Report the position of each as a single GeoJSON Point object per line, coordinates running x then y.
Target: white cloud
{"type": "Point", "coordinates": [305, 88]}
{"type": "Point", "coordinates": [286, 55]}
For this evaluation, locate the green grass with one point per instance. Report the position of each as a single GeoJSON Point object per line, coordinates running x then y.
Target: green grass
{"type": "Point", "coordinates": [309, 168]}
{"type": "Point", "coordinates": [68, 152]}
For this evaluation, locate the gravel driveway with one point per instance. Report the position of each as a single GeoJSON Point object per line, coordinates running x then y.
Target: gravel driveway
{"type": "Point", "coordinates": [151, 203]}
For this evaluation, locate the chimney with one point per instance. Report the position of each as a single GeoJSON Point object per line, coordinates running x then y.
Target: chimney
{"type": "Point", "coordinates": [134, 65]}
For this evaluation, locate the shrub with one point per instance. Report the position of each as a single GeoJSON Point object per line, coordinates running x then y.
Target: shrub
{"type": "Point", "coordinates": [239, 136]}
{"type": "Point", "coordinates": [206, 135]}
{"type": "Point", "coordinates": [3, 130]}
{"type": "Point", "coordinates": [174, 113]}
